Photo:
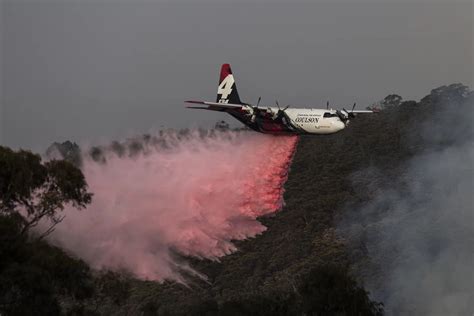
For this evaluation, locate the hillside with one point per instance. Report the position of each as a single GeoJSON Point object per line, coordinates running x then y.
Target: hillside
{"type": "Point", "coordinates": [320, 192]}
{"type": "Point", "coordinates": [310, 260]}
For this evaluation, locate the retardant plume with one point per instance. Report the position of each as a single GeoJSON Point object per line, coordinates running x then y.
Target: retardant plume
{"type": "Point", "coordinates": [191, 194]}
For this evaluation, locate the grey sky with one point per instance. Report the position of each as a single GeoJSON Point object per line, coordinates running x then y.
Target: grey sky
{"type": "Point", "coordinates": [96, 70]}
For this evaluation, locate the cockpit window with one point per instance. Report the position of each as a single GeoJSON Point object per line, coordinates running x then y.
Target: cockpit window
{"type": "Point", "coordinates": [328, 114]}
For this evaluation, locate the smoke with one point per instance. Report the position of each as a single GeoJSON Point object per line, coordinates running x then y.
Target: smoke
{"type": "Point", "coordinates": [419, 228]}
{"type": "Point", "coordinates": [189, 194]}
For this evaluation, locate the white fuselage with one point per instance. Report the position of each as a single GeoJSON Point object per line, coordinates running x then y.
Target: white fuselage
{"type": "Point", "coordinates": [313, 121]}
{"type": "Point", "coordinates": [274, 120]}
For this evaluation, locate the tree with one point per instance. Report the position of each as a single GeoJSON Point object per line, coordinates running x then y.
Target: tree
{"type": "Point", "coordinates": [392, 100]}
{"type": "Point", "coordinates": [453, 94]}
{"type": "Point", "coordinates": [331, 290]}
{"type": "Point", "coordinates": [27, 290]}
{"type": "Point", "coordinates": [257, 305]}
{"type": "Point", "coordinates": [37, 190]}
{"type": "Point", "coordinates": [67, 150]}
{"type": "Point", "coordinates": [33, 274]}
{"type": "Point", "coordinates": [222, 126]}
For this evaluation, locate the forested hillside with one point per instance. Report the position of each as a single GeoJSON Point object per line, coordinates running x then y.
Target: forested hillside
{"type": "Point", "coordinates": [306, 263]}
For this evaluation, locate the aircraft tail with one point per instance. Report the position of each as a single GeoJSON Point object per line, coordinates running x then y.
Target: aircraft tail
{"type": "Point", "coordinates": [227, 89]}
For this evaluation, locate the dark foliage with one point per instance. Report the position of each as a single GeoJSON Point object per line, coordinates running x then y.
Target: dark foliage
{"type": "Point", "coordinates": [33, 274]}
{"type": "Point", "coordinates": [329, 290]}
{"type": "Point", "coordinates": [325, 290]}
{"type": "Point", "coordinates": [67, 150]}
{"type": "Point", "coordinates": [40, 190]}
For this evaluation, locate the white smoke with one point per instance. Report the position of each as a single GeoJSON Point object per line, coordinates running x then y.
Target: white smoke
{"type": "Point", "coordinates": [419, 229]}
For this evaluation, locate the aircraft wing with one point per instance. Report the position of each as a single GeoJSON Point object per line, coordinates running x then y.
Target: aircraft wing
{"type": "Point", "coordinates": [362, 111]}
{"type": "Point", "coordinates": [214, 105]}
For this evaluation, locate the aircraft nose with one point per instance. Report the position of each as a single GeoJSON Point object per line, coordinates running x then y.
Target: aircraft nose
{"type": "Point", "coordinates": [338, 125]}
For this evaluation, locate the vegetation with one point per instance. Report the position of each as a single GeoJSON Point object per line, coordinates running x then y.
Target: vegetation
{"type": "Point", "coordinates": [31, 191]}
{"type": "Point", "coordinates": [33, 274]}
{"type": "Point", "coordinates": [300, 266]}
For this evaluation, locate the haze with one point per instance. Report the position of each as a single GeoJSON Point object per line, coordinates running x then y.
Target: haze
{"type": "Point", "coordinates": [95, 70]}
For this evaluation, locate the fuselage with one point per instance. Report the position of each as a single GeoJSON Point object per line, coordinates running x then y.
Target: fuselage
{"type": "Point", "coordinates": [314, 121]}
{"type": "Point", "coordinates": [290, 121]}
{"type": "Point", "coordinates": [274, 120]}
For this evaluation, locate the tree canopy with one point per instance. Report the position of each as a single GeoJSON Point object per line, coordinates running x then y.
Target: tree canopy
{"type": "Point", "coordinates": [37, 190]}
{"type": "Point", "coordinates": [33, 274]}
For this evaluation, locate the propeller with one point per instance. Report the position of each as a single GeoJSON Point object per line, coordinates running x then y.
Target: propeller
{"type": "Point", "coordinates": [351, 114]}
{"type": "Point", "coordinates": [345, 115]}
{"type": "Point", "coordinates": [327, 105]}
{"type": "Point", "coordinates": [281, 111]}
{"type": "Point", "coordinates": [255, 110]}
{"type": "Point", "coordinates": [255, 107]}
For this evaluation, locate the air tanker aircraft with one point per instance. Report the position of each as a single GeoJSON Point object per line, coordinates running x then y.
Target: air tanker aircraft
{"type": "Point", "coordinates": [275, 120]}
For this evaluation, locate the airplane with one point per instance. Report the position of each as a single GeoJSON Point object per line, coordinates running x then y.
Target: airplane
{"type": "Point", "coordinates": [275, 120]}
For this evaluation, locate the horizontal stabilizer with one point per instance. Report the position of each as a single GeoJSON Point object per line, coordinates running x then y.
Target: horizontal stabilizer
{"type": "Point", "coordinates": [198, 107]}
{"type": "Point", "coordinates": [218, 105]}
{"type": "Point", "coordinates": [362, 111]}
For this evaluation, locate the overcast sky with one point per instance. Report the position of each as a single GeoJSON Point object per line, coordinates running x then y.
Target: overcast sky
{"type": "Point", "coordinates": [95, 70]}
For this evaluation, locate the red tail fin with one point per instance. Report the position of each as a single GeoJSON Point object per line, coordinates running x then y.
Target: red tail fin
{"type": "Point", "coordinates": [227, 89]}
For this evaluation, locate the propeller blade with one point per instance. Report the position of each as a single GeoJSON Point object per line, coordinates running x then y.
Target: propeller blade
{"type": "Point", "coordinates": [341, 116]}
{"type": "Point", "coordinates": [286, 107]}
{"type": "Point", "coordinates": [258, 102]}
{"type": "Point", "coordinates": [278, 105]}
{"type": "Point", "coordinates": [353, 107]}
{"type": "Point", "coordinates": [327, 105]}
